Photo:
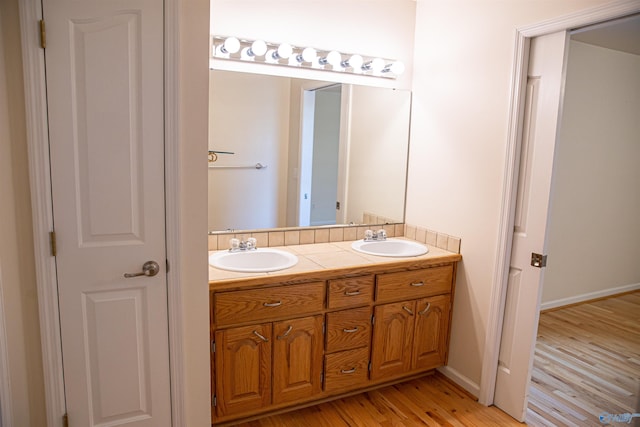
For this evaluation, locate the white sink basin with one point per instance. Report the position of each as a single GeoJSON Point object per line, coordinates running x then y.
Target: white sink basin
{"type": "Point", "coordinates": [260, 260]}
{"type": "Point", "coordinates": [390, 248]}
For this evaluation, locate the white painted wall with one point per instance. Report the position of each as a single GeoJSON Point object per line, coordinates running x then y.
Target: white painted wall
{"type": "Point", "coordinates": [248, 115]}
{"type": "Point", "coordinates": [594, 230]}
{"type": "Point", "coordinates": [464, 54]}
{"type": "Point", "coordinates": [369, 27]}
{"type": "Point", "coordinates": [17, 275]}
{"type": "Point", "coordinates": [378, 144]}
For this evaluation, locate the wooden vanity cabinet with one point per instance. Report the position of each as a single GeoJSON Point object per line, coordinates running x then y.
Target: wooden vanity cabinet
{"type": "Point", "coordinates": [243, 369]}
{"type": "Point", "coordinates": [297, 358]}
{"type": "Point", "coordinates": [280, 346]}
{"type": "Point", "coordinates": [410, 336]}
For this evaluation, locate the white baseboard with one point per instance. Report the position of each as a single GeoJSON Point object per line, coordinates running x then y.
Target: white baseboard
{"type": "Point", "coordinates": [589, 296]}
{"type": "Point", "coordinates": [460, 380]}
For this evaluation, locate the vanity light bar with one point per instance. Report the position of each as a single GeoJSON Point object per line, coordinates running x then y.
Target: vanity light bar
{"type": "Point", "coordinates": [233, 48]}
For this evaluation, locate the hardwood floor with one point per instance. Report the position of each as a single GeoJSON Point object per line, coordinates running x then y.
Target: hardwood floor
{"type": "Point", "coordinates": [428, 401]}
{"type": "Point", "coordinates": [587, 361]}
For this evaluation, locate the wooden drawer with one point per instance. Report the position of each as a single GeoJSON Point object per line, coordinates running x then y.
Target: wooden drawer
{"type": "Point", "coordinates": [255, 305]}
{"type": "Point", "coordinates": [414, 284]}
{"type": "Point", "coordinates": [348, 329]}
{"type": "Point", "coordinates": [350, 292]}
{"type": "Point", "coordinates": [346, 370]}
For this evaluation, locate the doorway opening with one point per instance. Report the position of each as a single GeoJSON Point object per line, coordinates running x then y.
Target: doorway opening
{"type": "Point", "coordinates": [320, 201]}
{"type": "Point", "coordinates": [594, 205]}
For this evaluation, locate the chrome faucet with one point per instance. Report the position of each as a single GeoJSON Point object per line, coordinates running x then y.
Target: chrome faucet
{"type": "Point", "coordinates": [370, 235]}
{"type": "Point", "coordinates": [243, 245]}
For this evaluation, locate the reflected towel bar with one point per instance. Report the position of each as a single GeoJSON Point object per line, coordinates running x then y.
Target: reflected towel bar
{"type": "Point", "coordinates": [256, 166]}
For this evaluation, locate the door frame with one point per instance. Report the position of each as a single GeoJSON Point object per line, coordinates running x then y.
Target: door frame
{"type": "Point", "coordinates": [523, 36]}
{"type": "Point", "coordinates": [6, 410]}
{"type": "Point", "coordinates": [307, 108]}
{"type": "Point", "coordinates": [42, 208]}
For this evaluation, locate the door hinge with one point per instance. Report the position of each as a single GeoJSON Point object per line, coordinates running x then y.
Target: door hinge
{"type": "Point", "coordinates": [373, 319]}
{"type": "Point", "coordinates": [43, 34]}
{"type": "Point", "coordinates": [337, 206]}
{"type": "Point", "coordinates": [324, 328]}
{"type": "Point", "coordinates": [166, 262]}
{"type": "Point", "coordinates": [538, 260]}
{"type": "Point", "coordinates": [213, 346]}
{"type": "Point", "coordinates": [52, 243]}
{"type": "Point", "coordinates": [214, 400]}
{"type": "Point", "coordinates": [65, 420]}
{"type": "Point", "coordinates": [369, 366]}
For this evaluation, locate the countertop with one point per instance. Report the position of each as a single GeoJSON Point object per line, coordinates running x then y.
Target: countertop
{"type": "Point", "coordinates": [324, 258]}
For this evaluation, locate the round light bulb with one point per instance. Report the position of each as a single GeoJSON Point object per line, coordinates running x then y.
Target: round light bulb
{"type": "Point", "coordinates": [284, 51]}
{"type": "Point", "coordinates": [377, 65]}
{"type": "Point", "coordinates": [355, 62]}
{"type": "Point", "coordinates": [309, 54]}
{"type": "Point", "coordinates": [334, 58]}
{"type": "Point", "coordinates": [258, 48]}
{"type": "Point", "coordinates": [397, 68]}
{"type": "Point", "coordinates": [231, 45]}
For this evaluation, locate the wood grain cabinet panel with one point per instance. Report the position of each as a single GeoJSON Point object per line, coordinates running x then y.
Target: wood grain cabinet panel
{"type": "Point", "coordinates": [392, 339]}
{"type": "Point", "coordinates": [348, 329]}
{"type": "Point", "coordinates": [256, 305]}
{"type": "Point", "coordinates": [431, 332]}
{"type": "Point", "coordinates": [297, 359]}
{"type": "Point", "coordinates": [414, 283]}
{"type": "Point", "coordinates": [346, 370]}
{"type": "Point", "coordinates": [243, 368]}
{"type": "Point", "coordinates": [350, 292]}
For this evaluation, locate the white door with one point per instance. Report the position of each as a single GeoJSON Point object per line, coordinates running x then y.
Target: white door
{"type": "Point", "coordinates": [542, 110]}
{"type": "Point", "coordinates": [104, 70]}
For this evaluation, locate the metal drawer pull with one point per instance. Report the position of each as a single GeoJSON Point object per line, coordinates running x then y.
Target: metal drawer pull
{"type": "Point", "coordinates": [262, 337]}
{"type": "Point", "coordinates": [351, 294]}
{"type": "Point", "coordinates": [408, 310]}
{"type": "Point", "coordinates": [416, 284]}
{"type": "Point", "coordinates": [272, 304]}
{"type": "Point", "coordinates": [426, 309]}
{"type": "Point", "coordinates": [347, 371]}
{"type": "Point", "coordinates": [350, 331]}
{"type": "Point", "coordinates": [286, 333]}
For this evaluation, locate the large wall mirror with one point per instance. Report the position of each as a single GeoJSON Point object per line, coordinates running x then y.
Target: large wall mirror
{"type": "Point", "coordinates": [296, 153]}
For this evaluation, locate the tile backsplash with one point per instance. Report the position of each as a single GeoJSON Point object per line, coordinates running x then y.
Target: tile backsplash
{"type": "Point", "coordinates": [308, 235]}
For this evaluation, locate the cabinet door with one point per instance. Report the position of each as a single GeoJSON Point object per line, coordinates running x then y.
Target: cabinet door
{"type": "Point", "coordinates": [431, 332]}
{"type": "Point", "coordinates": [392, 339]}
{"type": "Point", "coordinates": [243, 369]}
{"type": "Point", "coordinates": [297, 358]}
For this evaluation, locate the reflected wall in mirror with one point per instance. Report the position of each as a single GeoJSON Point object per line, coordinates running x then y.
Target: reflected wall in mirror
{"type": "Point", "coordinates": [330, 153]}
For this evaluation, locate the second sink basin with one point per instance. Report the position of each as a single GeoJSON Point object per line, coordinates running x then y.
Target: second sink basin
{"type": "Point", "coordinates": [260, 260]}
{"type": "Point", "coordinates": [390, 248]}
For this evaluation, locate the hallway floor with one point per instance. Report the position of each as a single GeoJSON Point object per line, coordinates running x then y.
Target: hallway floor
{"type": "Point", "coordinates": [587, 363]}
